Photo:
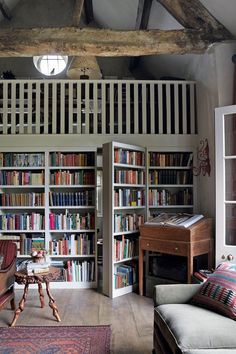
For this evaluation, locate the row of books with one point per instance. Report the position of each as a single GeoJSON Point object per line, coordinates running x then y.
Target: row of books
{"type": "Point", "coordinates": [170, 177]}
{"type": "Point", "coordinates": [129, 176]}
{"type": "Point", "coordinates": [129, 197]}
{"type": "Point", "coordinates": [170, 159]}
{"type": "Point", "coordinates": [125, 248]}
{"type": "Point", "coordinates": [83, 198]}
{"type": "Point", "coordinates": [25, 243]}
{"type": "Point", "coordinates": [33, 221]}
{"type": "Point", "coordinates": [72, 178]}
{"type": "Point", "coordinates": [125, 275]}
{"type": "Point", "coordinates": [73, 244]}
{"type": "Point", "coordinates": [165, 197]}
{"type": "Point", "coordinates": [22, 199]}
{"type": "Point", "coordinates": [21, 178]}
{"type": "Point", "coordinates": [71, 221]}
{"type": "Point", "coordinates": [127, 222]}
{"type": "Point", "coordinates": [129, 157]}
{"type": "Point", "coordinates": [72, 159]}
{"type": "Point", "coordinates": [79, 271]}
{"type": "Point", "coordinates": [10, 159]}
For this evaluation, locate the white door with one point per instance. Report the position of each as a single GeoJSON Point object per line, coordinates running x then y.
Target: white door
{"type": "Point", "coordinates": [225, 155]}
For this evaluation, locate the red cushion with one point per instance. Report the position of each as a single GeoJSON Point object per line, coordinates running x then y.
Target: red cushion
{"type": "Point", "coordinates": [8, 250]}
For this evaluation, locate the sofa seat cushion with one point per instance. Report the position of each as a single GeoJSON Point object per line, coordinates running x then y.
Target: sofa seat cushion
{"type": "Point", "coordinates": [187, 327]}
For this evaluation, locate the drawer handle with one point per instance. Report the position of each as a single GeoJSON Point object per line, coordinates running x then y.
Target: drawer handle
{"type": "Point", "coordinates": [176, 248]}
{"type": "Point", "coordinates": [148, 244]}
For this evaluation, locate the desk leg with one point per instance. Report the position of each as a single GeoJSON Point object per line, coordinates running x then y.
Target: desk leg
{"type": "Point", "coordinates": [21, 306]}
{"type": "Point", "coordinates": [52, 303]}
{"type": "Point", "coordinates": [41, 295]}
{"type": "Point", "coordinates": [141, 253]}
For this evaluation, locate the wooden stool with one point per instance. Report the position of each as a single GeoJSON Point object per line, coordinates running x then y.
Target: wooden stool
{"type": "Point", "coordinates": [22, 277]}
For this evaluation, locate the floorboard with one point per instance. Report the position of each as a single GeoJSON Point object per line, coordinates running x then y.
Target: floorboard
{"type": "Point", "coordinates": [131, 316]}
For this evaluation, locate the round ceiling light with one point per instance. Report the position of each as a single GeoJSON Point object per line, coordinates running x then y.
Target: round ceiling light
{"type": "Point", "coordinates": [50, 65]}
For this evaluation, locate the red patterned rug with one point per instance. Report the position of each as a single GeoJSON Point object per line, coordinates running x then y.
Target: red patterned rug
{"type": "Point", "coordinates": [55, 340]}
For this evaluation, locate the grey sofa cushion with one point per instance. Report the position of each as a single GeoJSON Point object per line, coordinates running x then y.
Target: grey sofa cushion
{"type": "Point", "coordinates": [187, 327]}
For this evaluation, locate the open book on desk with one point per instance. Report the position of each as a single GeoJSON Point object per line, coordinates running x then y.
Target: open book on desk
{"type": "Point", "coordinates": [177, 219]}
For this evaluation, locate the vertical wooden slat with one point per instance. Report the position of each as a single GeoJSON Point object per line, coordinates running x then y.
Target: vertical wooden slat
{"type": "Point", "coordinates": [29, 107]}
{"type": "Point", "coordinates": [168, 109]}
{"type": "Point", "coordinates": [176, 95]}
{"type": "Point", "coordinates": [192, 109]}
{"type": "Point", "coordinates": [119, 108]}
{"type": "Point", "coordinates": [70, 106]}
{"type": "Point", "coordinates": [160, 106]}
{"type": "Point", "coordinates": [78, 120]}
{"type": "Point", "coordinates": [37, 122]}
{"type": "Point", "coordinates": [136, 109]}
{"type": "Point", "coordinates": [103, 108]}
{"type": "Point", "coordinates": [13, 108]}
{"type": "Point", "coordinates": [127, 108]}
{"type": "Point", "coordinates": [54, 107]}
{"type": "Point", "coordinates": [62, 106]}
{"type": "Point", "coordinates": [184, 104]}
{"type": "Point", "coordinates": [46, 105]}
{"type": "Point", "coordinates": [144, 110]}
{"type": "Point", "coordinates": [95, 108]}
{"type": "Point", "coordinates": [152, 109]}
{"type": "Point", "coordinates": [21, 107]}
{"type": "Point", "coordinates": [5, 100]}
{"type": "Point", "coordinates": [87, 109]}
{"type": "Point", "coordinates": [111, 92]}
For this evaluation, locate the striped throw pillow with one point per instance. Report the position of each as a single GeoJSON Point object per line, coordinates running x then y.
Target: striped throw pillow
{"type": "Point", "coordinates": [218, 293]}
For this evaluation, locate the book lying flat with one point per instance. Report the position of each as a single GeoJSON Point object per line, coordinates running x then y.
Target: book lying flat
{"type": "Point", "coordinates": [178, 219]}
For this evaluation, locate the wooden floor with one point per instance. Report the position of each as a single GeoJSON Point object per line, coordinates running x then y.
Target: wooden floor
{"type": "Point", "coordinates": [131, 316]}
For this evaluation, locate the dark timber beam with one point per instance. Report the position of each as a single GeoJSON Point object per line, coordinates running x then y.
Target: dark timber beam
{"type": "Point", "coordinates": [73, 41]}
{"type": "Point", "coordinates": [88, 7]}
{"type": "Point", "coordinates": [192, 14]}
{"type": "Point", "coordinates": [5, 10]}
{"type": "Point", "coordinates": [77, 12]}
{"type": "Point", "coordinates": [143, 13]}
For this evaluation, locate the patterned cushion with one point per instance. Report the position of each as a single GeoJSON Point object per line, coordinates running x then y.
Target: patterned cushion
{"type": "Point", "coordinates": [227, 265]}
{"type": "Point", "coordinates": [218, 293]}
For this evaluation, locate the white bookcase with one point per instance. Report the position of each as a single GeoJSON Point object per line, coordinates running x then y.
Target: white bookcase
{"type": "Point", "coordinates": [170, 181]}
{"type": "Point", "coordinates": [124, 207]}
{"type": "Point", "coordinates": [51, 194]}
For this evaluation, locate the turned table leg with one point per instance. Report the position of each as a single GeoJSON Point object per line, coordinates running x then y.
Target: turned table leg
{"type": "Point", "coordinates": [21, 306]}
{"type": "Point", "coordinates": [52, 303]}
{"type": "Point", "coordinates": [41, 295]}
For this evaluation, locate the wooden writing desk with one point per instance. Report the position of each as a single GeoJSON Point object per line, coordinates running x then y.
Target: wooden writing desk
{"type": "Point", "coordinates": [188, 242]}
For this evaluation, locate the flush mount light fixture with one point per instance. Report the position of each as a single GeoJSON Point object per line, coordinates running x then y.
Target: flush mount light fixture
{"type": "Point", "coordinates": [50, 65]}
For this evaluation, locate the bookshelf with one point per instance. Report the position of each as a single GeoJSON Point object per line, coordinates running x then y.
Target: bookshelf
{"type": "Point", "coordinates": [48, 198]}
{"type": "Point", "coordinates": [124, 207]}
{"type": "Point", "coordinates": [22, 198]}
{"type": "Point", "coordinates": [170, 186]}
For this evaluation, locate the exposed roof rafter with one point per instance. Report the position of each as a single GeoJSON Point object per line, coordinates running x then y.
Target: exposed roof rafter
{"type": "Point", "coordinates": [77, 12]}
{"type": "Point", "coordinates": [192, 14]}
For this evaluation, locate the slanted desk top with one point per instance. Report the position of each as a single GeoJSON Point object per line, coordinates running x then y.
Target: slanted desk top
{"type": "Point", "coordinates": [188, 242]}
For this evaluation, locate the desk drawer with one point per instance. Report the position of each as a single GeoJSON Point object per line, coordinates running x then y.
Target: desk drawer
{"type": "Point", "coordinates": [177, 248]}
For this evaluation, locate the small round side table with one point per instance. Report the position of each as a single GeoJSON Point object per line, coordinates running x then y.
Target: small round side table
{"type": "Point", "coordinates": [21, 277]}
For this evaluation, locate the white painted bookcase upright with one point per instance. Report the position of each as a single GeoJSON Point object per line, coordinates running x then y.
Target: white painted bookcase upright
{"type": "Point", "coordinates": [112, 229]}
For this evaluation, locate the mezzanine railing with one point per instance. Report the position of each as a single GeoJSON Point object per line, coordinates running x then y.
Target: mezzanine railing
{"type": "Point", "coordinates": [97, 107]}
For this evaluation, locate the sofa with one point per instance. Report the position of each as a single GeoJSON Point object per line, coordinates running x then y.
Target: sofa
{"type": "Point", "coordinates": [183, 327]}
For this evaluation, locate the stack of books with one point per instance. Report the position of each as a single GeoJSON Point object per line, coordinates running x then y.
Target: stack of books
{"type": "Point", "coordinates": [37, 268]}
{"type": "Point", "coordinates": [201, 276]}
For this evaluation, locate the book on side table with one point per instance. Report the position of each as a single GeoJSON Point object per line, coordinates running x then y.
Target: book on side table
{"type": "Point", "coordinates": [175, 219]}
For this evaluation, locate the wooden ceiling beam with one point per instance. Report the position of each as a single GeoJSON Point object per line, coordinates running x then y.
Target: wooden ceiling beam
{"type": "Point", "coordinates": [77, 12]}
{"type": "Point", "coordinates": [88, 7]}
{"type": "Point", "coordinates": [143, 13]}
{"type": "Point", "coordinates": [5, 10]}
{"type": "Point", "coordinates": [75, 41]}
{"type": "Point", "coordinates": [192, 14]}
